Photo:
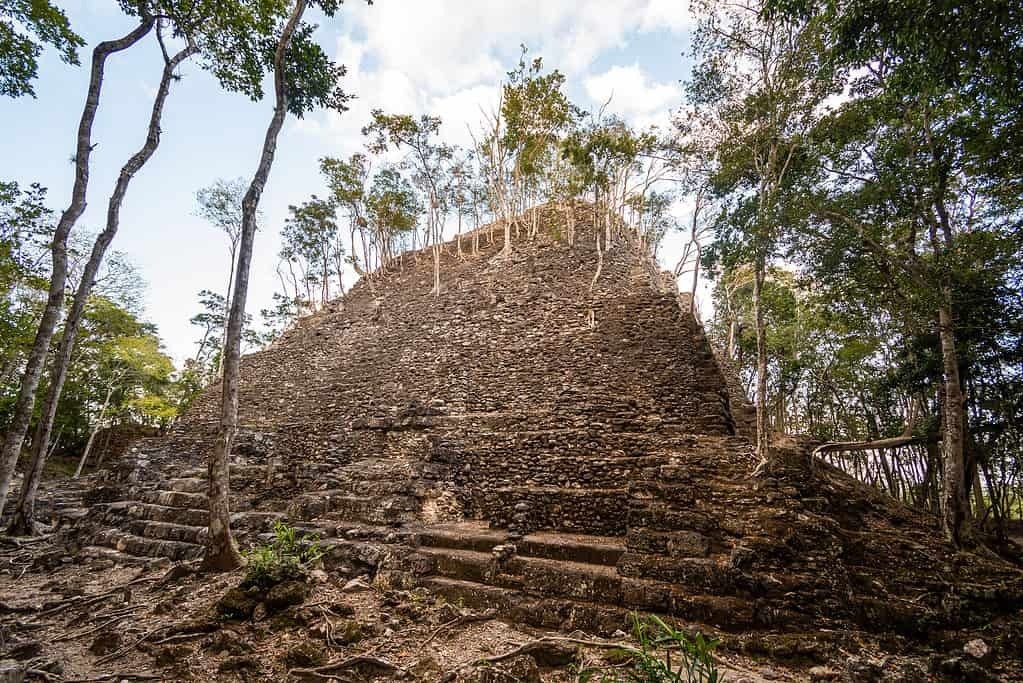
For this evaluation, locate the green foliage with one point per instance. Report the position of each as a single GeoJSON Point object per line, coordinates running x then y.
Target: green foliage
{"type": "Point", "coordinates": [287, 556]}
{"type": "Point", "coordinates": [237, 45]}
{"type": "Point", "coordinates": [202, 368]}
{"type": "Point", "coordinates": [536, 112]}
{"type": "Point", "coordinates": [665, 655]}
{"type": "Point", "coordinates": [25, 27]}
{"type": "Point", "coordinates": [312, 246]}
{"type": "Point", "coordinates": [392, 203]}
{"type": "Point", "coordinates": [221, 205]}
{"type": "Point", "coordinates": [347, 182]}
{"type": "Point", "coordinates": [427, 158]}
{"type": "Point", "coordinates": [119, 371]}
{"type": "Point", "coordinates": [279, 317]}
{"type": "Point", "coordinates": [25, 226]}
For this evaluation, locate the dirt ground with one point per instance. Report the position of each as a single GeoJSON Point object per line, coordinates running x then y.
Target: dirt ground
{"type": "Point", "coordinates": [68, 619]}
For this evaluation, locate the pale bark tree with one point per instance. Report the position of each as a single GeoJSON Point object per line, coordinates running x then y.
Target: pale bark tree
{"type": "Point", "coordinates": [22, 412]}
{"type": "Point", "coordinates": [23, 521]}
{"type": "Point", "coordinates": [221, 550]}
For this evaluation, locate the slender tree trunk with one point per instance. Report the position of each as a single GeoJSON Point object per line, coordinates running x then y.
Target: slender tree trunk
{"type": "Point", "coordinates": [227, 305]}
{"type": "Point", "coordinates": [459, 233]}
{"type": "Point", "coordinates": [22, 413]}
{"type": "Point", "coordinates": [23, 520]}
{"type": "Point", "coordinates": [221, 551]}
{"type": "Point", "coordinates": [106, 447]}
{"type": "Point", "coordinates": [979, 504]}
{"type": "Point", "coordinates": [763, 440]}
{"type": "Point", "coordinates": [955, 504]}
{"type": "Point", "coordinates": [732, 329]}
{"type": "Point", "coordinates": [93, 433]}
{"type": "Point", "coordinates": [438, 246]}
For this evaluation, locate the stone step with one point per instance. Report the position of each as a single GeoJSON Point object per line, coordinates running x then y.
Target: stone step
{"type": "Point", "coordinates": [253, 520]}
{"type": "Point", "coordinates": [70, 515]}
{"type": "Point", "coordinates": [374, 510]}
{"type": "Point", "coordinates": [236, 470]}
{"type": "Point", "coordinates": [471, 593]}
{"type": "Point", "coordinates": [600, 550]}
{"type": "Point", "coordinates": [187, 485]}
{"type": "Point", "coordinates": [175, 499]}
{"type": "Point", "coordinates": [168, 531]}
{"type": "Point", "coordinates": [158, 513]}
{"type": "Point", "coordinates": [713, 575]}
{"type": "Point", "coordinates": [147, 547]}
{"type": "Point", "coordinates": [358, 531]}
{"type": "Point", "coordinates": [583, 442]}
{"type": "Point", "coordinates": [530, 575]}
{"type": "Point", "coordinates": [601, 617]}
{"type": "Point", "coordinates": [100, 552]}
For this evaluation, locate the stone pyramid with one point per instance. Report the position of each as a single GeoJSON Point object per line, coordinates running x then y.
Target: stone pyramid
{"type": "Point", "coordinates": [582, 428]}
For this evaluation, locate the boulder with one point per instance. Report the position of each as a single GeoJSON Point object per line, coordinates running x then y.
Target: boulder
{"type": "Point", "coordinates": [236, 604]}
{"type": "Point", "coordinates": [286, 594]}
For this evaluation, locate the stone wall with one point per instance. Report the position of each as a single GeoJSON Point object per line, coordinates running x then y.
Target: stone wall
{"type": "Point", "coordinates": [511, 348]}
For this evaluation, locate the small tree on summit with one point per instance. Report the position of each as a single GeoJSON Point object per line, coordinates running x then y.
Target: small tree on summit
{"type": "Point", "coordinates": [536, 113]}
{"type": "Point", "coordinates": [393, 211]}
{"type": "Point", "coordinates": [312, 242]}
{"type": "Point", "coordinates": [429, 161]}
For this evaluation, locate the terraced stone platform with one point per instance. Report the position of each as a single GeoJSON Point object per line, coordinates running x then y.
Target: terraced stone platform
{"type": "Point", "coordinates": [563, 451]}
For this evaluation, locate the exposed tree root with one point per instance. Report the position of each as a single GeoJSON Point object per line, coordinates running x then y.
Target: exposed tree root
{"type": "Point", "coordinates": [117, 676]}
{"type": "Point", "coordinates": [541, 644]}
{"type": "Point", "coordinates": [127, 648]}
{"type": "Point", "coordinates": [349, 663]}
{"type": "Point", "coordinates": [459, 621]}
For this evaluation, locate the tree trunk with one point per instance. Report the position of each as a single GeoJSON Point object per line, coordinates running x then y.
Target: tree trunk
{"type": "Point", "coordinates": [730, 347]}
{"type": "Point", "coordinates": [88, 449]}
{"type": "Point", "coordinates": [979, 504]}
{"type": "Point", "coordinates": [106, 447]}
{"type": "Point", "coordinates": [955, 505]}
{"type": "Point", "coordinates": [92, 434]}
{"type": "Point", "coordinates": [227, 305]}
{"type": "Point", "coordinates": [221, 551]}
{"type": "Point", "coordinates": [22, 413]}
{"type": "Point", "coordinates": [763, 439]}
{"type": "Point", "coordinates": [23, 520]}
{"type": "Point", "coordinates": [435, 230]}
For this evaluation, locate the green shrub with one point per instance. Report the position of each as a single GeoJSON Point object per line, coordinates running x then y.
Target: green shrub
{"type": "Point", "coordinates": [664, 655]}
{"type": "Point", "coordinates": [287, 556]}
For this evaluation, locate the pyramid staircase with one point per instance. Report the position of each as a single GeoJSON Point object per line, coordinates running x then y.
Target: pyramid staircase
{"type": "Point", "coordinates": [565, 450]}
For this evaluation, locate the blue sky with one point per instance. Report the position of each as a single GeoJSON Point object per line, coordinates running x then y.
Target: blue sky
{"type": "Point", "coordinates": [444, 57]}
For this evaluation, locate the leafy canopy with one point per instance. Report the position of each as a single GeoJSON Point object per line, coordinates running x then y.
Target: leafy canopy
{"type": "Point", "coordinates": [26, 26]}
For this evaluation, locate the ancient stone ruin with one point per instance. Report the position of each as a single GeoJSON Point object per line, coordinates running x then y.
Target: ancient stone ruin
{"type": "Point", "coordinates": [567, 453]}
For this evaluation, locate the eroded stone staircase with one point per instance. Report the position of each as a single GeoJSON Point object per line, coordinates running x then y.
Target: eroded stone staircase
{"type": "Point", "coordinates": [169, 519]}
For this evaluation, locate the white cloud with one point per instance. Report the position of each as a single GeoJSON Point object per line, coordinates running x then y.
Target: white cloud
{"type": "Point", "coordinates": [447, 57]}
{"type": "Point", "coordinates": [669, 15]}
{"type": "Point", "coordinates": [462, 109]}
{"type": "Point", "coordinates": [640, 100]}
{"type": "Point", "coordinates": [447, 45]}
